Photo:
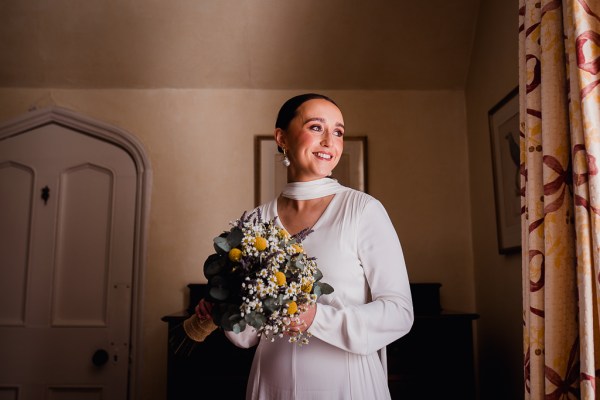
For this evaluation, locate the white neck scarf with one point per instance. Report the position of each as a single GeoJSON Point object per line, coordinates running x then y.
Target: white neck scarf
{"type": "Point", "coordinates": [312, 189]}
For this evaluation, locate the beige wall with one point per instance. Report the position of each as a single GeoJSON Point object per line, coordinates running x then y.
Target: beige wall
{"type": "Point", "coordinates": [200, 144]}
{"type": "Point", "coordinates": [493, 74]}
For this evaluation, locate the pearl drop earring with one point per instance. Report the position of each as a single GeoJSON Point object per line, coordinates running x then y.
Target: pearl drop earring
{"type": "Point", "coordinates": [286, 160]}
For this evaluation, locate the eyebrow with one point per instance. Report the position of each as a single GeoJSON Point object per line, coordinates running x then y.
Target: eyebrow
{"type": "Point", "coordinates": [322, 120]}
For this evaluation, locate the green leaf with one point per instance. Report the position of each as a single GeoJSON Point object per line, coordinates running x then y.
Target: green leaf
{"type": "Point", "coordinates": [318, 275]}
{"type": "Point", "coordinates": [235, 237]}
{"type": "Point", "coordinates": [255, 319]}
{"type": "Point", "coordinates": [240, 326]}
{"type": "Point", "coordinates": [260, 319]}
{"type": "Point", "coordinates": [270, 304]}
{"type": "Point", "coordinates": [326, 288]}
{"type": "Point", "coordinates": [213, 265]}
{"type": "Point", "coordinates": [226, 322]}
{"type": "Point", "coordinates": [236, 328]}
{"type": "Point", "coordinates": [217, 281]}
{"type": "Point", "coordinates": [321, 288]}
{"type": "Point", "coordinates": [316, 289]}
{"type": "Point", "coordinates": [298, 264]}
{"type": "Point", "coordinates": [221, 244]}
{"type": "Point", "coordinates": [219, 293]}
{"type": "Point", "coordinates": [235, 318]}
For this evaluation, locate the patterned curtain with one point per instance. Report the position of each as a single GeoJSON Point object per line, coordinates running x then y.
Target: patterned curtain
{"type": "Point", "coordinates": [559, 96]}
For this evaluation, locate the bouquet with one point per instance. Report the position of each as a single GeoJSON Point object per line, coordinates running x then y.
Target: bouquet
{"type": "Point", "coordinates": [259, 276]}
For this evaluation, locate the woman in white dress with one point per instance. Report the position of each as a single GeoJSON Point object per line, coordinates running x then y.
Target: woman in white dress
{"type": "Point", "coordinates": [359, 253]}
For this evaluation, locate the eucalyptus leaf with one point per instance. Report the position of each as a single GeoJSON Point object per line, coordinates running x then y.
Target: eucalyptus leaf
{"type": "Point", "coordinates": [317, 289]}
{"type": "Point", "coordinates": [236, 328]}
{"type": "Point", "coordinates": [326, 288]}
{"type": "Point", "coordinates": [270, 304]}
{"type": "Point", "coordinates": [260, 319]}
{"type": "Point", "coordinates": [219, 293]}
{"type": "Point", "coordinates": [298, 264]}
{"type": "Point", "coordinates": [217, 280]}
{"type": "Point", "coordinates": [318, 275]}
{"type": "Point", "coordinates": [255, 320]}
{"type": "Point", "coordinates": [233, 309]}
{"type": "Point", "coordinates": [221, 244]}
{"type": "Point", "coordinates": [239, 326]}
{"type": "Point", "coordinates": [226, 322]}
{"type": "Point", "coordinates": [235, 318]}
{"type": "Point", "coordinates": [213, 265]}
{"type": "Point", "coordinates": [321, 288]}
{"type": "Point", "coordinates": [235, 237]}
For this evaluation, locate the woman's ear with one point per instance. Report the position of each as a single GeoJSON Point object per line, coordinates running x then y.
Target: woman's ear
{"type": "Point", "coordinates": [280, 137]}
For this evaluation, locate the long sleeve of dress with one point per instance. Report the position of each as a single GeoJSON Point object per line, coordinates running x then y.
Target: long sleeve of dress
{"type": "Point", "coordinates": [366, 328]}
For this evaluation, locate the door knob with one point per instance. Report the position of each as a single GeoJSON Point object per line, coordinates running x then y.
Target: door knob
{"type": "Point", "coordinates": [100, 357]}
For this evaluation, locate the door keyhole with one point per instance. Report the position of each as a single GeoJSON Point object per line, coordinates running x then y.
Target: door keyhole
{"type": "Point", "coordinates": [45, 194]}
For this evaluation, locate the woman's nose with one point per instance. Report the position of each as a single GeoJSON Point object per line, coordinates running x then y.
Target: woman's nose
{"type": "Point", "coordinates": [326, 139]}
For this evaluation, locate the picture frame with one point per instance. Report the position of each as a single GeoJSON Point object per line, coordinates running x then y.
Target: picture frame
{"type": "Point", "coordinates": [270, 175]}
{"type": "Point", "coordinates": [505, 137]}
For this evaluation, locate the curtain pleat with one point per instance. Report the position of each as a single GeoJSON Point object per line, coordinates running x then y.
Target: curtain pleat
{"type": "Point", "coordinates": [559, 98]}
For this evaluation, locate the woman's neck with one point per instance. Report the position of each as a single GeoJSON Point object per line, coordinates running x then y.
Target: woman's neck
{"type": "Point", "coordinates": [302, 205]}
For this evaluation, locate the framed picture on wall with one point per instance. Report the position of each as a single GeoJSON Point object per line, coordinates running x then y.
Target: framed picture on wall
{"type": "Point", "coordinates": [270, 176]}
{"type": "Point", "coordinates": [504, 138]}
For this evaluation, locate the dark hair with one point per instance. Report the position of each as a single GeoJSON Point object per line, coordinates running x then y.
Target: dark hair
{"type": "Point", "coordinates": [289, 109]}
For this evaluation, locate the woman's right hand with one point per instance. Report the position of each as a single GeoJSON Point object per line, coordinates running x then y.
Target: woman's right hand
{"type": "Point", "coordinates": [203, 310]}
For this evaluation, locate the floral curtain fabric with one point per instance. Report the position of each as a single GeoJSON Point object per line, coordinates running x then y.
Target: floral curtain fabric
{"type": "Point", "coordinates": [559, 97]}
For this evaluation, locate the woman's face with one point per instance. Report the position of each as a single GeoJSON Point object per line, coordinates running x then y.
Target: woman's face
{"type": "Point", "coordinates": [313, 141]}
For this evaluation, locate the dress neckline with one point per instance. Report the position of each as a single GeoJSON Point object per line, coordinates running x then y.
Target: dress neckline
{"type": "Point", "coordinates": [315, 226]}
{"type": "Point", "coordinates": [311, 189]}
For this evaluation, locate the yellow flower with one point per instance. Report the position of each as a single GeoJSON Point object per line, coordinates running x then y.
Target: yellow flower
{"type": "Point", "coordinates": [292, 307]}
{"type": "Point", "coordinates": [235, 255]}
{"type": "Point", "coordinates": [260, 243]}
{"type": "Point", "coordinates": [298, 248]}
{"type": "Point", "coordinates": [280, 278]}
{"type": "Point", "coordinates": [306, 288]}
{"type": "Point", "coordinates": [284, 234]}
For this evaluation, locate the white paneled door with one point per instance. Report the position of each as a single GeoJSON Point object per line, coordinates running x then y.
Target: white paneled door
{"type": "Point", "coordinates": [67, 219]}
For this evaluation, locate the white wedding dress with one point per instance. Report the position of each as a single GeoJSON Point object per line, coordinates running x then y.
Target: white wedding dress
{"type": "Point", "coordinates": [359, 253]}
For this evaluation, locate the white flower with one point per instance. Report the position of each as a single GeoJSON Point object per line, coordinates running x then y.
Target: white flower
{"type": "Point", "coordinates": [263, 273]}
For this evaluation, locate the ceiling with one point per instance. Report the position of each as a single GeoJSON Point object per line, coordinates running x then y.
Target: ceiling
{"type": "Point", "coordinates": [254, 44]}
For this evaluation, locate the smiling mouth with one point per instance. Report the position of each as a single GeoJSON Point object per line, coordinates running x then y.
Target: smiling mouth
{"type": "Point", "coordinates": [324, 156]}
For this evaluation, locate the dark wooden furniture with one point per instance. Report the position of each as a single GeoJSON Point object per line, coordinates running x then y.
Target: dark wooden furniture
{"type": "Point", "coordinates": [213, 369]}
{"type": "Point", "coordinates": [433, 361]}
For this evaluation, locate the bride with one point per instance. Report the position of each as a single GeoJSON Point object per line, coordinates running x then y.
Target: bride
{"type": "Point", "coordinates": [359, 253]}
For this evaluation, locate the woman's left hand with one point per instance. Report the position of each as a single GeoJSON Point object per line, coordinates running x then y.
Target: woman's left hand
{"type": "Point", "coordinates": [302, 322]}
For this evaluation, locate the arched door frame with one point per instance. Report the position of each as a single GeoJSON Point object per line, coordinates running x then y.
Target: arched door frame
{"type": "Point", "coordinates": [129, 143]}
